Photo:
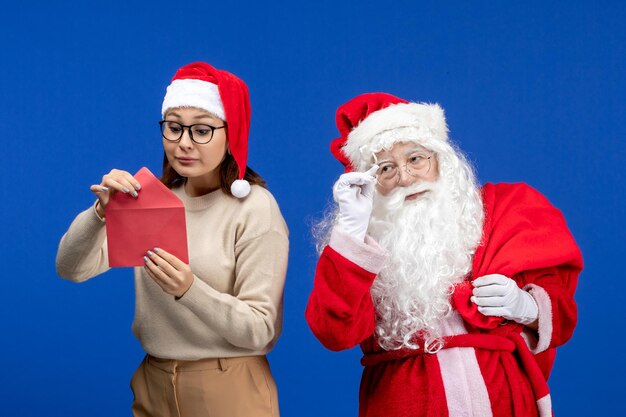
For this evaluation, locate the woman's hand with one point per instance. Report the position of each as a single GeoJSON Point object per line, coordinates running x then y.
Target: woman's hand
{"type": "Point", "coordinates": [170, 273]}
{"type": "Point", "coordinates": [114, 181]}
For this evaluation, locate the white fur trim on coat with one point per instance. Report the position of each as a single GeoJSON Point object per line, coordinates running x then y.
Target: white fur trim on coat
{"type": "Point", "coordinates": [369, 255]}
{"type": "Point", "coordinates": [544, 331]}
{"type": "Point", "coordinates": [405, 122]}
{"type": "Point", "coordinates": [463, 382]}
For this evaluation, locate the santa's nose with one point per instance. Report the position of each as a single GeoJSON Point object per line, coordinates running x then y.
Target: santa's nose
{"type": "Point", "coordinates": [405, 178]}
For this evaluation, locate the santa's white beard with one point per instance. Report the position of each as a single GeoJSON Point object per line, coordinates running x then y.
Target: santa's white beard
{"type": "Point", "coordinates": [431, 242]}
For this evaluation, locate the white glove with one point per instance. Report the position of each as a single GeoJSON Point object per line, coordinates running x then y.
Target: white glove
{"type": "Point", "coordinates": [354, 193]}
{"type": "Point", "coordinates": [497, 295]}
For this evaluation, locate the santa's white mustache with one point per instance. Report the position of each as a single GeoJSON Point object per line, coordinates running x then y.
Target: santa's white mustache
{"type": "Point", "coordinates": [397, 197]}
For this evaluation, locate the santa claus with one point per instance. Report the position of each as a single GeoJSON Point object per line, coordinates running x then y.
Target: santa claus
{"type": "Point", "coordinates": [458, 294]}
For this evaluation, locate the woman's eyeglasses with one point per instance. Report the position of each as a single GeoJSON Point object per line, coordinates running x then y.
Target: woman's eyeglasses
{"type": "Point", "coordinates": [199, 133]}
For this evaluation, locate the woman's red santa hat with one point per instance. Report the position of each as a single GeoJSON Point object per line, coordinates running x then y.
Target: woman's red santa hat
{"type": "Point", "coordinates": [374, 121]}
{"type": "Point", "coordinates": [222, 94]}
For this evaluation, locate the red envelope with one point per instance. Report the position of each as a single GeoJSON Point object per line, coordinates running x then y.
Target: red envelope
{"type": "Point", "coordinates": [156, 218]}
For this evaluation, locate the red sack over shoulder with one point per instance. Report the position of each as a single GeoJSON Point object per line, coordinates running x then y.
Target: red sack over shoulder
{"type": "Point", "coordinates": [522, 232]}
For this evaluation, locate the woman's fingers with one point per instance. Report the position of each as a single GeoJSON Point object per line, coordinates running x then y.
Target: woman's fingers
{"type": "Point", "coordinates": [173, 281]}
{"type": "Point", "coordinates": [170, 259]}
{"type": "Point", "coordinates": [160, 277]}
{"type": "Point", "coordinates": [115, 181]}
{"type": "Point", "coordinates": [103, 198]}
{"type": "Point", "coordinates": [121, 180]}
{"type": "Point", "coordinates": [98, 189]}
{"type": "Point", "coordinates": [120, 184]}
{"type": "Point", "coordinates": [162, 263]}
{"type": "Point", "coordinates": [124, 177]}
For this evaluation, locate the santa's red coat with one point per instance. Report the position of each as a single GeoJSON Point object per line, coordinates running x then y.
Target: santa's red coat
{"type": "Point", "coordinates": [488, 366]}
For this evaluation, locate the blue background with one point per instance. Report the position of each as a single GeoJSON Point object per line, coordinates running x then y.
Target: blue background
{"type": "Point", "coordinates": [533, 91]}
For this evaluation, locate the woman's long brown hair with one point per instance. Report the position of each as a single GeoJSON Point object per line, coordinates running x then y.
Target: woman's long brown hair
{"type": "Point", "coordinates": [229, 172]}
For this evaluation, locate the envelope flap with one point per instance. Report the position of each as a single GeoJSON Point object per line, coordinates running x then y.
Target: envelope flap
{"type": "Point", "coordinates": [153, 194]}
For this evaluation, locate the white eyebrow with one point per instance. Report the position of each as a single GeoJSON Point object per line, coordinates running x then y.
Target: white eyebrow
{"type": "Point", "coordinates": [418, 149]}
{"type": "Point", "coordinates": [407, 153]}
{"type": "Point", "coordinates": [377, 162]}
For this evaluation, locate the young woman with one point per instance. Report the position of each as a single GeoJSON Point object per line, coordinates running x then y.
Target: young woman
{"type": "Point", "coordinates": [207, 325]}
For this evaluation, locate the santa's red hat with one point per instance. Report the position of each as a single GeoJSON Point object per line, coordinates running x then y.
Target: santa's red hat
{"type": "Point", "coordinates": [374, 121]}
{"type": "Point", "coordinates": [222, 94]}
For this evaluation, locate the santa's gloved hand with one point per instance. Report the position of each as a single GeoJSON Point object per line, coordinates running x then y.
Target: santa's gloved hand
{"type": "Point", "coordinates": [497, 295]}
{"type": "Point", "coordinates": [354, 192]}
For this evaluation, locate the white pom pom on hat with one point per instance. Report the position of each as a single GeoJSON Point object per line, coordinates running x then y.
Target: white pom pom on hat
{"type": "Point", "coordinates": [240, 188]}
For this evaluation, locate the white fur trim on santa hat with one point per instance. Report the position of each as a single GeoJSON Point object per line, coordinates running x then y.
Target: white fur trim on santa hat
{"type": "Point", "coordinates": [193, 93]}
{"type": "Point", "coordinates": [240, 188]}
{"type": "Point", "coordinates": [421, 123]}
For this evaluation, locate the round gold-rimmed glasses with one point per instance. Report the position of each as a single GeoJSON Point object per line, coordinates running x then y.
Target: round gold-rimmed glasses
{"type": "Point", "coordinates": [418, 164]}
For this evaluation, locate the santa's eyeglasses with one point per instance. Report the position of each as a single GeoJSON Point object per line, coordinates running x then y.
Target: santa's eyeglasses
{"type": "Point", "coordinates": [418, 164]}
